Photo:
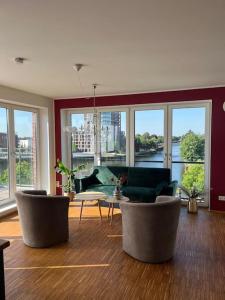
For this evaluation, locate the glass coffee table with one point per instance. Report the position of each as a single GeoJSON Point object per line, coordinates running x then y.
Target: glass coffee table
{"type": "Point", "coordinates": [112, 201]}
{"type": "Point", "coordinates": [90, 196]}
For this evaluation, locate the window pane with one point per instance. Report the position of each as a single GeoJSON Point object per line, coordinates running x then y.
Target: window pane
{"type": "Point", "coordinates": [26, 149]}
{"type": "Point", "coordinates": [4, 158]}
{"type": "Point", "coordinates": [113, 138]}
{"type": "Point", "coordinates": [188, 146]}
{"type": "Point", "coordinates": [149, 138]}
{"type": "Point", "coordinates": [82, 141]}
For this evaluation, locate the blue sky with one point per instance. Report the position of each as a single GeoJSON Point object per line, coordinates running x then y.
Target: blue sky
{"type": "Point", "coordinates": [184, 119]}
{"type": "Point", "coordinates": [78, 120]}
{"type": "Point", "coordinates": [22, 120]}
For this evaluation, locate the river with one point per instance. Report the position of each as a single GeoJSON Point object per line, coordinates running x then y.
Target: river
{"type": "Point", "coordinates": [152, 160]}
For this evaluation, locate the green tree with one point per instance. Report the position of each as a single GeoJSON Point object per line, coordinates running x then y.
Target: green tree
{"type": "Point", "coordinates": [4, 177]}
{"type": "Point", "coordinates": [193, 176]}
{"type": "Point", "coordinates": [137, 142]}
{"type": "Point", "coordinates": [192, 147]}
{"type": "Point", "coordinates": [23, 174]}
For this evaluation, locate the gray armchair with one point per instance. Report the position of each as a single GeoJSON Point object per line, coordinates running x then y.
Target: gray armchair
{"type": "Point", "coordinates": [149, 229]}
{"type": "Point", "coordinates": [44, 219]}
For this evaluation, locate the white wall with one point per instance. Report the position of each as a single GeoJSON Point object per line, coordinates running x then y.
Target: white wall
{"type": "Point", "coordinates": [47, 140]}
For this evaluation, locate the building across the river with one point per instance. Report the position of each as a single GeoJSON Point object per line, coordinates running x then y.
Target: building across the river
{"type": "Point", "coordinates": [83, 137]}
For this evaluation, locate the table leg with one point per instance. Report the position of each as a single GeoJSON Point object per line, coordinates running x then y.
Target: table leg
{"type": "Point", "coordinates": [112, 207]}
{"type": "Point", "coordinates": [99, 207]}
{"type": "Point", "coordinates": [109, 210]}
{"type": "Point", "coordinates": [81, 209]}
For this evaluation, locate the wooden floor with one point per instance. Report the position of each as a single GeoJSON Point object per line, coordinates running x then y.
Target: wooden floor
{"type": "Point", "coordinates": [92, 264]}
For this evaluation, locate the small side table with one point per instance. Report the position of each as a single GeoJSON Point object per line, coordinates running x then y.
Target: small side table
{"type": "Point", "coordinates": [3, 244]}
{"type": "Point", "coordinates": [112, 201]}
{"type": "Point", "coordinates": [90, 196]}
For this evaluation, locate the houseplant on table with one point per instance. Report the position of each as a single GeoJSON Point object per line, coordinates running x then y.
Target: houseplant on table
{"type": "Point", "coordinates": [70, 175]}
{"type": "Point", "coordinates": [192, 194]}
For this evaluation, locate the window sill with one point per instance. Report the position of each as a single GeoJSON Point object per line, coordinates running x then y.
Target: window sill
{"type": "Point", "coordinates": [8, 208]}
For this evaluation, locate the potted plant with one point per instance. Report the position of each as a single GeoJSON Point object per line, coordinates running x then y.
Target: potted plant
{"type": "Point", "coordinates": [192, 194]}
{"type": "Point", "coordinates": [70, 174]}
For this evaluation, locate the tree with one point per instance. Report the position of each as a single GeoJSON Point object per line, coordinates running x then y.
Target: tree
{"type": "Point", "coordinates": [193, 177]}
{"type": "Point", "coordinates": [137, 142]}
{"type": "Point", "coordinates": [23, 174]}
{"type": "Point", "coordinates": [192, 147]}
{"type": "Point", "coordinates": [4, 178]}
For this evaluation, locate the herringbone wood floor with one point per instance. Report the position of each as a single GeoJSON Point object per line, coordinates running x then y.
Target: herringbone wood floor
{"type": "Point", "coordinates": [92, 265]}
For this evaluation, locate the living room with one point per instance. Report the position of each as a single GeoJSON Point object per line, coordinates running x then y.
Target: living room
{"type": "Point", "coordinates": [105, 121]}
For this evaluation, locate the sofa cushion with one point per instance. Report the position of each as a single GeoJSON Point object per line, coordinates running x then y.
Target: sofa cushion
{"type": "Point", "coordinates": [87, 181]}
{"type": "Point", "coordinates": [147, 177]}
{"type": "Point", "coordinates": [109, 175]}
{"type": "Point", "coordinates": [140, 194]}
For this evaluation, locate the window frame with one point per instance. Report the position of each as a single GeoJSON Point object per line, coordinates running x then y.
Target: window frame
{"type": "Point", "coordinates": [130, 130]}
{"type": "Point", "coordinates": [11, 145]}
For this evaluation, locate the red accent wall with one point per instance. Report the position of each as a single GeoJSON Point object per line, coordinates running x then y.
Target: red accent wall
{"type": "Point", "coordinates": [217, 95]}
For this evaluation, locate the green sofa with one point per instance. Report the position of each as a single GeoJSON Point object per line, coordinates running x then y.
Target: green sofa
{"type": "Point", "coordinates": [139, 184]}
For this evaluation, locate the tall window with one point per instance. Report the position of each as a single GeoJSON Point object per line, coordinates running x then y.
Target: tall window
{"type": "Point", "coordinates": [149, 138]}
{"type": "Point", "coordinates": [25, 123]}
{"type": "Point", "coordinates": [113, 138]}
{"type": "Point", "coordinates": [18, 151]}
{"type": "Point", "coordinates": [82, 140]}
{"type": "Point", "coordinates": [4, 155]}
{"type": "Point", "coordinates": [188, 146]}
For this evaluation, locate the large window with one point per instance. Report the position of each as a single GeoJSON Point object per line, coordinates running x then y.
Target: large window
{"type": "Point", "coordinates": [4, 155]}
{"type": "Point", "coordinates": [113, 138]}
{"type": "Point", "coordinates": [149, 138]}
{"type": "Point", "coordinates": [188, 146]}
{"type": "Point", "coordinates": [82, 140]}
{"type": "Point", "coordinates": [175, 136]}
{"type": "Point", "coordinates": [18, 151]}
{"type": "Point", "coordinates": [25, 124]}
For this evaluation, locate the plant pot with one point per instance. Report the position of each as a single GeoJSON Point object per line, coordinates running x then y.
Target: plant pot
{"type": "Point", "coordinates": [192, 206]}
{"type": "Point", "coordinates": [70, 195]}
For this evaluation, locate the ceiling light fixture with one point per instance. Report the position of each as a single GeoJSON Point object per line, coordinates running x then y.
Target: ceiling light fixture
{"type": "Point", "coordinates": [19, 60]}
{"type": "Point", "coordinates": [78, 67]}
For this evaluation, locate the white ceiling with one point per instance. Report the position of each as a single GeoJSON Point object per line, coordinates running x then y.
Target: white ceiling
{"type": "Point", "coordinates": [128, 46]}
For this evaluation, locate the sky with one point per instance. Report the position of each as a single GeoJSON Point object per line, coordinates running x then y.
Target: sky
{"type": "Point", "coordinates": [184, 119]}
{"type": "Point", "coordinates": [152, 121]}
{"type": "Point", "coordinates": [22, 121]}
{"type": "Point", "coordinates": [78, 120]}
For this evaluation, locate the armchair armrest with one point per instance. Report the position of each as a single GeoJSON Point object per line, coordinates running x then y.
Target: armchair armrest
{"type": "Point", "coordinates": [77, 185]}
{"type": "Point", "coordinates": [170, 189]}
